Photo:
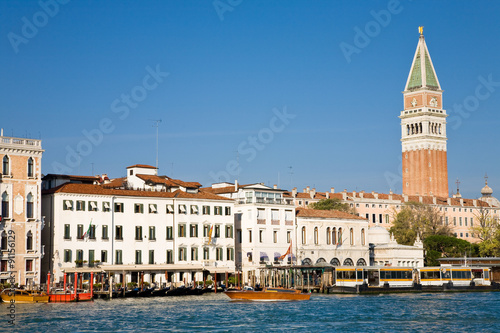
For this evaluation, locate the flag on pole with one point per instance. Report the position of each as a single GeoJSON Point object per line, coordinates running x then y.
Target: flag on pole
{"type": "Point", "coordinates": [289, 251]}
{"type": "Point", "coordinates": [88, 230]}
{"type": "Point", "coordinates": [210, 234]}
{"type": "Point", "coordinates": [339, 240]}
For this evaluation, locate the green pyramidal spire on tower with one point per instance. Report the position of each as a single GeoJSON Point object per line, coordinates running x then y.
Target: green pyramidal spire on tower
{"type": "Point", "coordinates": [422, 73]}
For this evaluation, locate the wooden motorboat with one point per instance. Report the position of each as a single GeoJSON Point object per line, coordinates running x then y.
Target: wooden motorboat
{"type": "Point", "coordinates": [24, 296]}
{"type": "Point", "coordinates": [268, 294]}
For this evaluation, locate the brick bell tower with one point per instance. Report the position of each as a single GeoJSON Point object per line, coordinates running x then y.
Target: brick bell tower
{"type": "Point", "coordinates": [423, 129]}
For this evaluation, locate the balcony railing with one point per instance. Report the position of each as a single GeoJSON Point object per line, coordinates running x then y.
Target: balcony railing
{"type": "Point", "coordinates": [261, 221]}
{"type": "Point", "coordinates": [288, 222]}
{"type": "Point", "coordinates": [275, 222]}
{"type": "Point", "coordinates": [266, 201]}
{"type": "Point", "coordinates": [24, 142]}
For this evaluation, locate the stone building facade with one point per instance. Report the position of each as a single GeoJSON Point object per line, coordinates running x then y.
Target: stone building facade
{"type": "Point", "coordinates": [21, 219]}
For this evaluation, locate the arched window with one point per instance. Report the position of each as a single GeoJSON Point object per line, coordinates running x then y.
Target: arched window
{"type": "Point", "coordinates": [307, 262]}
{"type": "Point", "coordinates": [351, 236]}
{"type": "Point", "coordinates": [29, 206]}
{"type": "Point", "coordinates": [412, 129]}
{"type": "Point", "coordinates": [348, 262]}
{"type": "Point", "coordinates": [5, 205]}
{"type": "Point", "coordinates": [4, 241]}
{"type": "Point", "coordinates": [439, 128]}
{"type": "Point", "coordinates": [6, 165]}
{"type": "Point", "coordinates": [303, 235]}
{"type": "Point", "coordinates": [30, 167]}
{"type": "Point", "coordinates": [420, 128]}
{"type": "Point", "coordinates": [328, 236]}
{"type": "Point", "coordinates": [320, 260]}
{"type": "Point", "coordinates": [334, 236]}
{"type": "Point", "coordinates": [339, 241]}
{"type": "Point", "coordinates": [316, 235]}
{"type": "Point", "coordinates": [29, 241]}
{"type": "Point", "coordinates": [407, 129]}
{"type": "Point", "coordinates": [335, 262]}
{"type": "Point", "coordinates": [361, 262]}
{"type": "Point", "coordinates": [363, 236]}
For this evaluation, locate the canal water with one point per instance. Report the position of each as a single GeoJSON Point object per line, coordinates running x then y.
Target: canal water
{"type": "Point", "coordinates": [462, 312]}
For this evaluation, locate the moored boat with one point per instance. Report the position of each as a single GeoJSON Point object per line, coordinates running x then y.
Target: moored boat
{"type": "Point", "coordinates": [24, 296]}
{"type": "Point", "coordinates": [268, 294]}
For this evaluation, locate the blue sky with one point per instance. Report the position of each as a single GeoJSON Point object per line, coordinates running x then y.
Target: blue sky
{"type": "Point", "coordinates": [225, 69]}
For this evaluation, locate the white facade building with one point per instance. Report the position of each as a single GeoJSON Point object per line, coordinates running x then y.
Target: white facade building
{"type": "Point", "coordinates": [140, 225]}
{"type": "Point", "coordinates": [264, 223]}
{"type": "Point", "coordinates": [385, 251]}
{"type": "Point", "coordinates": [331, 236]}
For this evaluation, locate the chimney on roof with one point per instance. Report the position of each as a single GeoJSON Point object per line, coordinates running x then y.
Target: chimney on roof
{"type": "Point", "coordinates": [375, 195]}
{"type": "Point", "coordinates": [275, 186]}
{"type": "Point", "coordinates": [1, 132]}
{"type": "Point", "coordinates": [420, 199]}
{"type": "Point", "coordinates": [344, 195]}
{"type": "Point", "coordinates": [448, 201]}
{"type": "Point", "coordinates": [332, 189]}
{"type": "Point", "coordinates": [327, 194]}
{"type": "Point", "coordinates": [474, 202]}
{"type": "Point", "coordinates": [354, 194]}
{"type": "Point", "coordinates": [461, 201]}
{"type": "Point", "coordinates": [405, 197]}
{"type": "Point", "coordinates": [236, 185]}
{"type": "Point", "coordinates": [304, 190]}
{"type": "Point", "coordinates": [294, 192]}
{"type": "Point", "coordinates": [434, 200]}
{"type": "Point", "coordinates": [308, 189]}
{"type": "Point", "coordinates": [313, 193]}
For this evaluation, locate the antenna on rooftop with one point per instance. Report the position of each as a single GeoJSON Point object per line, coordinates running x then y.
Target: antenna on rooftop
{"type": "Point", "coordinates": [291, 174]}
{"type": "Point", "coordinates": [238, 165]}
{"type": "Point", "coordinates": [156, 124]}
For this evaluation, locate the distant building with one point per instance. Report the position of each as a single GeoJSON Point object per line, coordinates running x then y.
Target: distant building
{"type": "Point", "coordinates": [21, 219]}
{"type": "Point", "coordinates": [385, 250]}
{"type": "Point", "coordinates": [142, 226]}
{"type": "Point", "coordinates": [379, 208]}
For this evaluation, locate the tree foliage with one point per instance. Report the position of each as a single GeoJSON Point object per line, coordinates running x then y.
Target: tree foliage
{"type": "Point", "coordinates": [488, 231]}
{"type": "Point", "coordinates": [332, 204]}
{"type": "Point", "coordinates": [417, 219]}
{"type": "Point", "coordinates": [440, 246]}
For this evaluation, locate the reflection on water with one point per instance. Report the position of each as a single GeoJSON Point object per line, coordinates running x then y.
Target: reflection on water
{"type": "Point", "coordinates": [371, 313]}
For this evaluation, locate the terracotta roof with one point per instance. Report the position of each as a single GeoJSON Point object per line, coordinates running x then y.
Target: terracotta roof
{"type": "Point", "coordinates": [100, 190]}
{"type": "Point", "coordinates": [142, 166]}
{"type": "Point", "coordinates": [308, 212]}
{"type": "Point", "coordinates": [395, 197]}
{"type": "Point", "coordinates": [220, 190]}
{"type": "Point", "coordinates": [168, 181]}
{"type": "Point", "coordinates": [114, 183]}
